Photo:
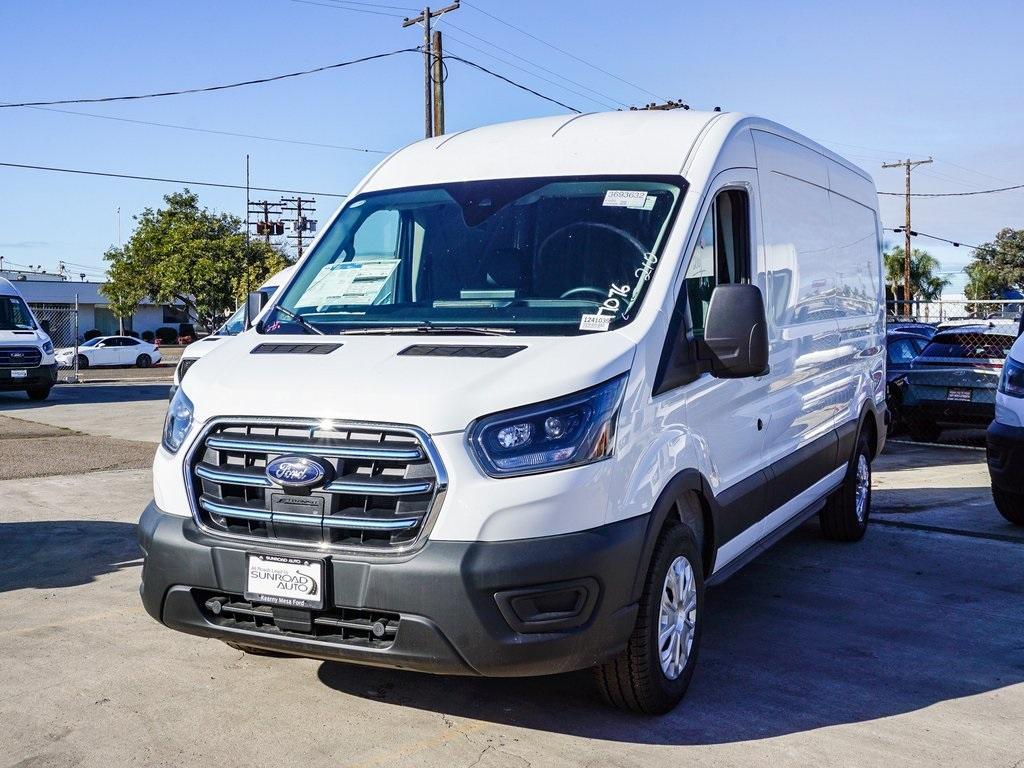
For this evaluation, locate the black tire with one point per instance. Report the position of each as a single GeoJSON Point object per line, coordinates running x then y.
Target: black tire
{"type": "Point", "coordinates": [83, 362]}
{"type": "Point", "coordinates": [38, 393]}
{"type": "Point", "coordinates": [255, 651]}
{"type": "Point", "coordinates": [843, 519]}
{"type": "Point", "coordinates": [143, 361]}
{"type": "Point", "coordinates": [1010, 505]}
{"type": "Point", "coordinates": [635, 679]}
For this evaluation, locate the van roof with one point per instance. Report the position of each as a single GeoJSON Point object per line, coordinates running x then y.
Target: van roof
{"type": "Point", "coordinates": [640, 142]}
{"type": "Point", "coordinates": [7, 288]}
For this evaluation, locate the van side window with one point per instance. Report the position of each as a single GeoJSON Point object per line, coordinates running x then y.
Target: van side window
{"type": "Point", "coordinates": [722, 253]}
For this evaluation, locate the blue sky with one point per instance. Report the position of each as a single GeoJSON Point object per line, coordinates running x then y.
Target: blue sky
{"type": "Point", "coordinates": [844, 74]}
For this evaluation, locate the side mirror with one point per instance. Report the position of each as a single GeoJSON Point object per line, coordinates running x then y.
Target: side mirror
{"type": "Point", "coordinates": [736, 332]}
{"type": "Point", "coordinates": [254, 304]}
{"type": "Point", "coordinates": [44, 324]}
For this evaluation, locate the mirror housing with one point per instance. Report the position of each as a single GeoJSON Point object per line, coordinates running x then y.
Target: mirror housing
{"type": "Point", "coordinates": [736, 333]}
{"type": "Point", "coordinates": [255, 301]}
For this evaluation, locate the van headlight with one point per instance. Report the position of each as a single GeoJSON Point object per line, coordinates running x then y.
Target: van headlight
{"type": "Point", "coordinates": [47, 347]}
{"type": "Point", "coordinates": [1012, 381]}
{"type": "Point", "coordinates": [567, 432]}
{"type": "Point", "coordinates": [178, 421]}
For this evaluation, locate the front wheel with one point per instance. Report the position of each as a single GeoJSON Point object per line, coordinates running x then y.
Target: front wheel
{"type": "Point", "coordinates": [653, 672]}
{"type": "Point", "coordinates": [1010, 505]}
{"type": "Point", "coordinates": [38, 393]}
{"type": "Point", "coordinates": [83, 362]}
{"type": "Point", "coordinates": [143, 361]}
{"type": "Point", "coordinates": [846, 513]}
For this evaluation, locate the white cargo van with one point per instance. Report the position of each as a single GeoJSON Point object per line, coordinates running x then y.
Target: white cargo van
{"type": "Point", "coordinates": [233, 326]}
{"type": "Point", "coordinates": [27, 363]}
{"type": "Point", "coordinates": [533, 388]}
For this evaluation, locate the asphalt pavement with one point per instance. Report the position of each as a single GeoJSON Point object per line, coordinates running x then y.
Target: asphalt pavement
{"type": "Point", "coordinates": [903, 649]}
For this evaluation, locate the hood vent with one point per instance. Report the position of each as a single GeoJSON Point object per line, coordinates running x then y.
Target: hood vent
{"type": "Point", "coordinates": [459, 350]}
{"type": "Point", "coordinates": [294, 349]}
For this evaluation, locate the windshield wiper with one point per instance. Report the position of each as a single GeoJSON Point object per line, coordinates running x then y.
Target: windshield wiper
{"type": "Point", "coordinates": [307, 326]}
{"type": "Point", "coordinates": [428, 327]}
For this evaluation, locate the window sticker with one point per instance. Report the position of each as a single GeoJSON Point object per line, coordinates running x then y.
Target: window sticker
{"type": "Point", "coordinates": [360, 283]}
{"type": "Point", "coordinates": [627, 198]}
{"type": "Point", "coordinates": [595, 322]}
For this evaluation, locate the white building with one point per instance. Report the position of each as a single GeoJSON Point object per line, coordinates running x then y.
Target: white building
{"type": "Point", "coordinates": [53, 299]}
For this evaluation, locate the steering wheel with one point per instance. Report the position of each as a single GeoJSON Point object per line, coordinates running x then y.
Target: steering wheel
{"type": "Point", "coordinates": [601, 294]}
{"type": "Point", "coordinates": [636, 244]}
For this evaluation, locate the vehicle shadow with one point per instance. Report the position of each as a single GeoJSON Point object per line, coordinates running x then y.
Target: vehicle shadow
{"type": "Point", "coordinates": [810, 635]}
{"type": "Point", "coordinates": [53, 554]}
{"type": "Point", "coordinates": [71, 394]}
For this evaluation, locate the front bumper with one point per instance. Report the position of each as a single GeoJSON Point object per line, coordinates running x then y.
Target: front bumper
{"type": "Point", "coordinates": [456, 603]}
{"type": "Point", "coordinates": [40, 376]}
{"type": "Point", "coordinates": [1004, 448]}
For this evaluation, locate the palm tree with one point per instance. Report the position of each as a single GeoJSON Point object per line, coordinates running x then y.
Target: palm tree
{"type": "Point", "coordinates": [925, 284]}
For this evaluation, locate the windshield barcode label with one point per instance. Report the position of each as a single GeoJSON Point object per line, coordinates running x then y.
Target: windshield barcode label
{"type": "Point", "coordinates": [625, 198]}
{"type": "Point", "coordinates": [595, 322]}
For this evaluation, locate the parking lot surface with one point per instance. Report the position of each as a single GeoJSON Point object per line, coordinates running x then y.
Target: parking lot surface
{"type": "Point", "coordinates": [904, 649]}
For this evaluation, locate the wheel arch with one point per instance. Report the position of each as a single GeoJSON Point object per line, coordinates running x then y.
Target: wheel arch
{"type": "Point", "coordinates": [669, 506]}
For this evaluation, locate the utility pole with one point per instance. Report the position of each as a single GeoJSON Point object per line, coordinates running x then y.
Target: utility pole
{"type": "Point", "coordinates": [438, 80]}
{"type": "Point", "coordinates": [908, 165]}
{"type": "Point", "coordinates": [428, 63]}
{"type": "Point", "coordinates": [265, 225]}
{"type": "Point", "coordinates": [300, 223]}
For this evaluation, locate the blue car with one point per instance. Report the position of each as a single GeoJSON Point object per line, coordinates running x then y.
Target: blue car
{"type": "Point", "coordinates": [953, 381]}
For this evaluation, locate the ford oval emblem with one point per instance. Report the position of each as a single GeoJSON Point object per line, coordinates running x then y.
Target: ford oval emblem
{"type": "Point", "coordinates": [296, 472]}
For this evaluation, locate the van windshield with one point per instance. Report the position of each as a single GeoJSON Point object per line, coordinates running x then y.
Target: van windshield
{"type": "Point", "coordinates": [14, 315]}
{"type": "Point", "coordinates": [543, 256]}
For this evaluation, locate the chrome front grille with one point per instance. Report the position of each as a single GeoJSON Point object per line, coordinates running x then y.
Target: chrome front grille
{"type": "Point", "coordinates": [20, 357]}
{"type": "Point", "coordinates": [383, 491]}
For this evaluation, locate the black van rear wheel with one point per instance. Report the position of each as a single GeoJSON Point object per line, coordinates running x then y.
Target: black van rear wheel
{"type": "Point", "coordinates": [846, 513]}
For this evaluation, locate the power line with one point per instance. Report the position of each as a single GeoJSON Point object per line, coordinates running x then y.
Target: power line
{"type": "Point", "coordinates": [166, 181]}
{"type": "Point", "coordinates": [211, 130]}
{"type": "Point", "coordinates": [954, 243]}
{"type": "Point", "coordinates": [378, 5]}
{"type": "Point", "coordinates": [209, 88]}
{"type": "Point", "coordinates": [508, 63]}
{"type": "Point", "coordinates": [561, 50]}
{"type": "Point", "coordinates": [344, 8]}
{"type": "Point", "coordinates": [513, 83]}
{"type": "Point", "coordinates": [485, 41]}
{"type": "Point", "coordinates": [956, 194]}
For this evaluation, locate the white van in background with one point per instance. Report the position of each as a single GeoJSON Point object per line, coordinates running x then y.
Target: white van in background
{"type": "Point", "coordinates": [233, 326]}
{"type": "Point", "coordinates": [533, 387]}
{"type": "Point", "coordinates": [27, 363]}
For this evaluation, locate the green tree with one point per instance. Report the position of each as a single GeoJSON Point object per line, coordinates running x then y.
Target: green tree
{"type": "Point", "coordinates": [925, 284]}
{"type": "Point", "coordinates": [189, 254]}
{"type": "Point", "coordinates": [984, 281]}
{"type": "Point", "coordinates": [1000, 262]}
{"type": "Point", "coordinates": [124, 292]}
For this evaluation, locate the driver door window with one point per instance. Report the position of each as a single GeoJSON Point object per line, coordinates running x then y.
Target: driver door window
{"type": "Point", "coordinates": [721, 255]}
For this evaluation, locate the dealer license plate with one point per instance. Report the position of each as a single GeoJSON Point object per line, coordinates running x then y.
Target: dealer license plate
{"type": "Point", "coordinates": [959, 395]}
{"type": "Point", "coordinates": [19, 373]}
{"type": "Point", "coordinates": [292, 581]}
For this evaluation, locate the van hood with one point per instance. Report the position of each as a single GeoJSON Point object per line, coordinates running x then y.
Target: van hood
{"type": "Point", "coordinates": [11, 338]}
{"type": "Point", "coordinates": [367, 379]}
{"type": "Point", "coordinates": [199, 348]}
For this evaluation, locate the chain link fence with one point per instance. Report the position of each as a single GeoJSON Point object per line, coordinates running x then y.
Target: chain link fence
{"type": "Point", "coordinates": [61, 322]}
{"type": "Point", "coordinates": [945, 359]}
